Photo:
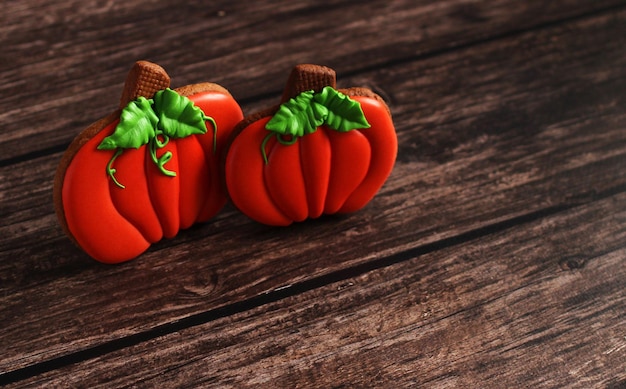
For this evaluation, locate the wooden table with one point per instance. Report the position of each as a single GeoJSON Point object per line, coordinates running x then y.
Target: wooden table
{"type": "Point", "coordinates": [494, 256]}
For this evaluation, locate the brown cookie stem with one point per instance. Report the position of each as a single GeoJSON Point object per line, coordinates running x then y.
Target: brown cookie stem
{"type": "Point", "coordinates": [144, 79]}
{"type": "Point", "coordinates": [306, 77]}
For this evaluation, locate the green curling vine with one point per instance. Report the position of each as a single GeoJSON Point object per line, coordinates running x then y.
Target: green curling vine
{"type": "Point", "coordinates": [154, 122]}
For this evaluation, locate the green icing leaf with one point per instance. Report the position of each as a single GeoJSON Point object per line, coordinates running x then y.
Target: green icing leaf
{"type": "Point", "coordinates": [154, 122]}
{"type": "Point", "coordinates": [178, 116]}
{"type": "Point", "coordinates": [298, 116]}
{"type": "Point", "coordinates": [307, 111]}
{"type": "Point", "coordinates": [344, 114]}
{"type": "Point", "coordinates": [136, 126]}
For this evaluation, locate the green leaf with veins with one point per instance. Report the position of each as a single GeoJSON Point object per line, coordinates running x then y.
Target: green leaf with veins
{"type": "Point", "coordinates": [146, 121]}
{"type": "Point", "coordinates": [178, 116]}
{"type": "Point", "coordinates": [135, 129]}
{"type": "Point", "coordinates": [344, 114]}
{"type": "Point", "coordinates": [302, 114]}
{"type": "Point", "coordinates": [298, 116]}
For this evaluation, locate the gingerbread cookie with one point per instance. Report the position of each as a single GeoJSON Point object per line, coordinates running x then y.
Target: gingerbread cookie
{"type": "Point", "coordinates": [149, 169]}
{"type": "Point", "coordinates": [322, 151]}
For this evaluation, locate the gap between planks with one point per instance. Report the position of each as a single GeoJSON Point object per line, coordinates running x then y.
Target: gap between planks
{"type": "Point", "coordinates": [292, 290]}
{"type": "Point", "coordinates": [365, 69]}
{"type": "Point", "coordinates": [511, 321]}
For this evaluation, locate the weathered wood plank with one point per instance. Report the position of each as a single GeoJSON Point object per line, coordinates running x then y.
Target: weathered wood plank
{"type": "Point", "coordinates": [66, 70]}
{"type": "Point", "coordinates": [477, 149]}
{"type": "Point", "coordinates": [523, 307]}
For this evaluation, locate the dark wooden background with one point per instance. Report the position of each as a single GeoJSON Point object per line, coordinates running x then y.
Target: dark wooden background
{"type": "Point", "coordinates": [494, 256]}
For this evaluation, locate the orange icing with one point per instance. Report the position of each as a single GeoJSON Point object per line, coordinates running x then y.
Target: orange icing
{"type": "Point", "coordinates": [323, 172]}
{"type": "Point", "coordinates": [113, 224]}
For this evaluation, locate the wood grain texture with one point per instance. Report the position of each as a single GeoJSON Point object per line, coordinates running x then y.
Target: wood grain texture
{"type": "Point", "coordinates": [522, 307]}
{"type": "Point", "coordinates": [493, 255]}
{"type": "Point", "coordinates": [52, 52]}
{"type": "Point", "coordinates": [490, 133]}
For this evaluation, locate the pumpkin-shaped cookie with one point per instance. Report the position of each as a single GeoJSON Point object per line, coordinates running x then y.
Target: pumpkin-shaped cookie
{"type": "Point", "coordinates": [147, 170]}
{"type": "Point", "coordinates": [322, 151]}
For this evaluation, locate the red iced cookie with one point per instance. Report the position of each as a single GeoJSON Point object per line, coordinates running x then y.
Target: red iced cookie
{"type": "Point", "coordinates": [149, 169]}
{"type": "Point", "coordinates": [322, 151]}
